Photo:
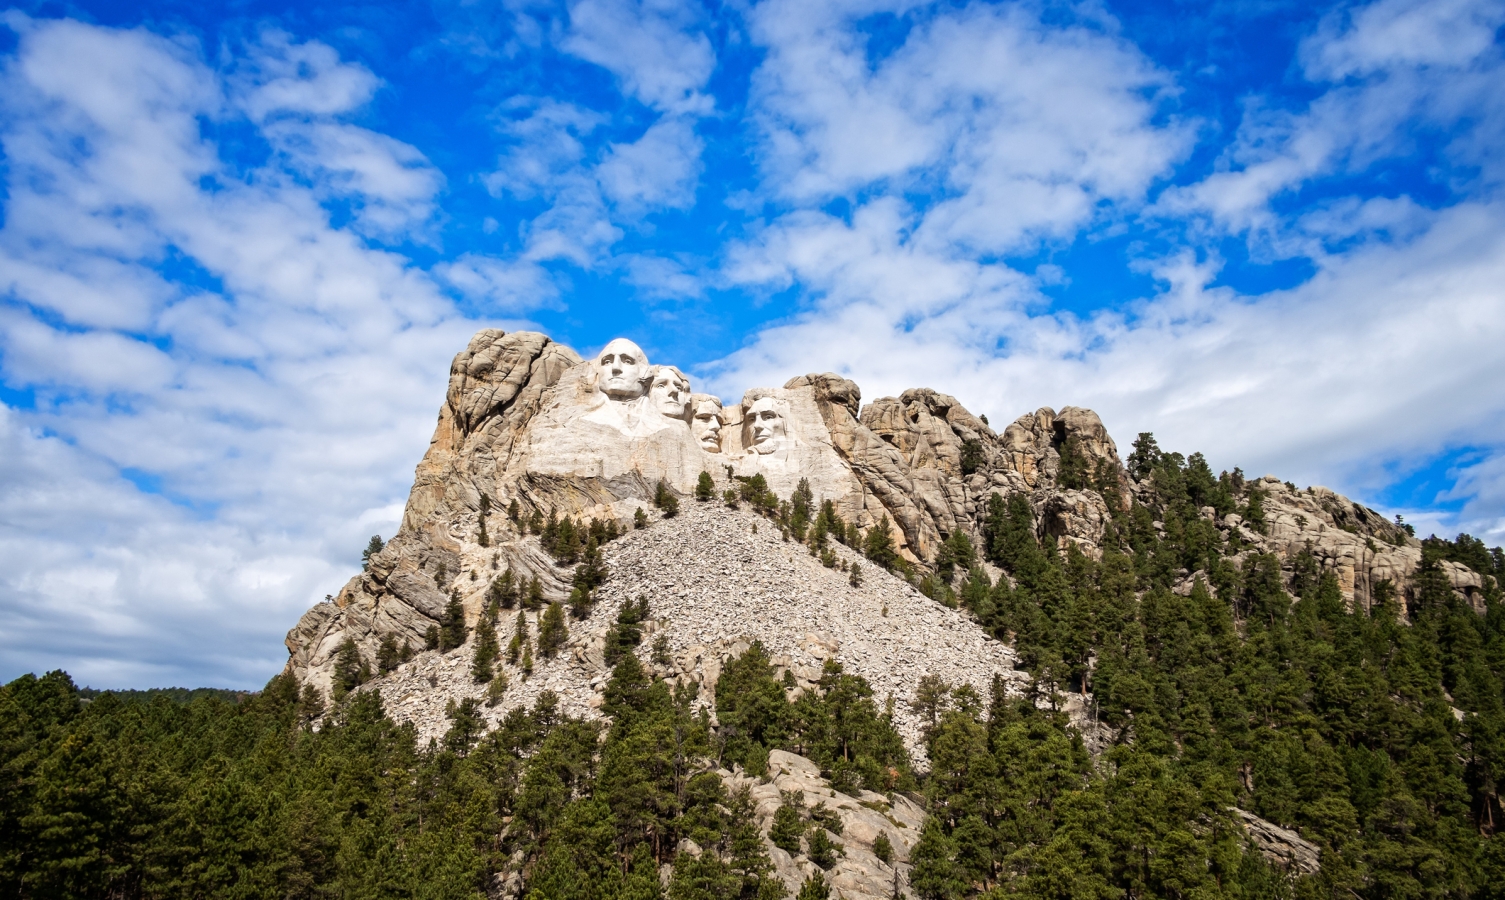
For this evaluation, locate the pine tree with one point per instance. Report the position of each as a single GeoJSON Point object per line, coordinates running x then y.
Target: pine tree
{"type": "Point", "coordinates": [879, 544]}
{"type": "Point", "coordinates": [349, 670]}
{"type": "Point", "coordinates": [487, 648]}
{"type": "Point", "coordinates": [627, 632]}
{"type": "Point", "coordinates": [639, 518]}
{"type": "Point", "coordinates": [822, 850]}
{"type": "Point", "coordinates": [388, 657]}
{"type": "Point", "coordinates": [514, 512]}
{"type": "Point", "coordinates": [373, 547]}
{"type": "Point", "coordinates": [452, 629]}
{"type": "Point", "coordinates": [788, 827]}
{"type": "Point", "coordinates": [814, 888]}
{"type": "Point", "coordinates": [534, 600]}
{"type": "Point", "coordinates": [665, 501]}
{"type": "Point", "coordinates": [856, 578]}
{"type": "Point", "coordinates": [705, 488]}
{"type": "Point", "coordinates": [503, 591]}
{"type": "Point", "coordinates": [552, 631]}
{"type": "Point", "coordinates": [519, 639]}
{"type": "Point", "coordinates": [883, 848]}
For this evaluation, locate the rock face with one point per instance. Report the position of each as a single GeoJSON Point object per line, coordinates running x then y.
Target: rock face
{"type": "Point", "coordinates": [716, 582]}
{"type": "Point", "coordinates": [528, 421]}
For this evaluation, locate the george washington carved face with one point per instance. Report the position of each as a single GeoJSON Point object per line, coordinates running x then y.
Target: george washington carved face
{"type": "Point", "coordinates": [706, 426]}
{"type": "Point", "coordinates": [765, 426]}
{"type": "Point", "coordinates": [622, 370]}
{"type": "Point", "coordinates": [670, 392]}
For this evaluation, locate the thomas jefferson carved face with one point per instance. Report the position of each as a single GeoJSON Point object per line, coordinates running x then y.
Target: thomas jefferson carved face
{"type": "Point", "coordinates": [670, 392]}
{"type": "Point", "coordinates": [766, 426]}
{"type": "Point", "coordinates": [706, 425]}
{"type": "Point", "coordinates": [622, 370]}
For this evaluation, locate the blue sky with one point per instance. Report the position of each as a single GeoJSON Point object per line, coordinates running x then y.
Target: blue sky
{"type": "Point", "coordinates": [240, 242]}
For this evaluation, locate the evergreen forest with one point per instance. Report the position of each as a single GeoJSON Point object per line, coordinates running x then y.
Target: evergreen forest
{"type": "Point", "coordinates": [1377, 734]}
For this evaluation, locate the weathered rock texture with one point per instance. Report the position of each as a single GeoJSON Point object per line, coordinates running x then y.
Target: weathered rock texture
{"type": "Point", "coordinates": [526, 419]}
{"type": "Point", "coordinates": [718, 579]}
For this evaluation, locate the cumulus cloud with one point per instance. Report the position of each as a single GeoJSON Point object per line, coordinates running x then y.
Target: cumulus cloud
{"type": "Point", "coordinates": [658, 170]}
{"type": "Point", "coordinates": [653, 46]}
{"type": "Point", "coordinates": [259, 402]}
{"type": "Point", "coordinates": [1019, 128]}
{"type": "Point", "coordinates": [1383, 357]}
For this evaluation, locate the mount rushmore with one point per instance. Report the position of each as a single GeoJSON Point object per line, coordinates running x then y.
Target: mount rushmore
{"type": "Point", "coordinates": [530, 426]}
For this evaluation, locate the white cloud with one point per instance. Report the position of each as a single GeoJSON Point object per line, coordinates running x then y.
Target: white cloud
{"type": "Point", "coordinates": [280, 76]}
{"type": "Point", "coordinates": [653, 46]}
{"type": "Point", "coordinates": [392, 183]}
{"type": "Point", "coordinates": [270, 396]}
{"type": "Point", "coordinates": [1389, 33]}
{"type": "Point", "coordinates": [1385, 356]}
{"type": "Point", "coordinates": [1020, 129]}
{"type": "Point", "coordinates": [658, 170]}
{"type": "Point", "coordinates": [1403, 68]}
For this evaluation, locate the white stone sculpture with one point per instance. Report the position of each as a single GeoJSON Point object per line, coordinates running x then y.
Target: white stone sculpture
{"type": "Point", "coordinates": [622, 370]}
{"type": "Point", "coordinates": [766, 428]}
{"type": "Point", "coordinates": [669, 392]}
{"type": "Point", "coordinates": [706, 424]}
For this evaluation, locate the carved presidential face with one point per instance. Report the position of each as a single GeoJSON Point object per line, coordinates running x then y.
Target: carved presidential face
{"type": "Point", "coordinates": [670, 392]}
{"type": "Point", "coordinates": [706, 425]}
{"type": "Point", "coordinates": [622, 370]}
{"type": "Point", "coordinates": [766, 426]}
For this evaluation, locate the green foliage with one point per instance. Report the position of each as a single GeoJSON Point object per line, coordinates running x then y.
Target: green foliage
{"type": "Point", "coordinates": [552, 630]}
{"type": "Point", "coordinates": [373, 547]}
{"type": "Point", "coordinates": [452, 628]}
{"type": "Point", "coordinates": [665, 501]}
{"type": "Point", "coordinates": [487, 649]}
{"type": "Point", "coordinates": [705, 487]}
{"type": "Point", "coordinates": [815, 888]}
{"type": "Point", "coordinates": [627, 633]}
{"type": "Point", "coordinates": [639, 518]}
{"type": "Point", "coordinates": [972, 456]}
{"type": "Point", "coordinates": [520, 639]}
{"type": "Point", "coordinates": [504, 591]}
{"type": "Point", "coordinates": [350, 671]}
{"type": "Point", "coordinates": [589, 575]}
{"type": "Point", "coordinates": [855, 578]}
{"type": "Point", "coordinates": [883, 848]}
{"type": "Point", "coordinates": [1075, 470]}
{"type": "Point", "coordinates": [838, 725]}
{"type": "Point", "coordinates": [788, 826]}
{"type": "Point", "coordinates": [822, 850]}
{"type": "Point", "coordinates": [879, 546]}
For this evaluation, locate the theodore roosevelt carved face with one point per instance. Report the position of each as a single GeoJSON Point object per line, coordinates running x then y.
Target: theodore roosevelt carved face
{"type": "Point", "coordinates": [765, 426]}
{"type": "Point", "coordinates": [706, 426]}
{"type": "Point", "coordinates": [622, 370]}
{"type": "Point", "coordinates": [670, 392]}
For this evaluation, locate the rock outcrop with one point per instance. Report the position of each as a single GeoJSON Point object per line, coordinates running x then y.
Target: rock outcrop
{"type": "Point", "coordinates": [716, 582]}
{"type": "Point", "coordinates": [527, 422]}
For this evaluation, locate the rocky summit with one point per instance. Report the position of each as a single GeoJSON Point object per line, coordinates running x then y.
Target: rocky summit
{"type": "Point", "coordinates": [529, 430]}
{"type": "Point", "coordinates": [831, 537]}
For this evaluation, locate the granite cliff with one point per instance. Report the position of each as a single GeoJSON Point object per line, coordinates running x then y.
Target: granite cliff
{"type": "Point", "coordinates": [528, 424]}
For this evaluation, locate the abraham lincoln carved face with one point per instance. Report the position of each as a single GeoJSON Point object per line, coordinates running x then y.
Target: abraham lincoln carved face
{"type": "Point", "coordinates": [766, 426]}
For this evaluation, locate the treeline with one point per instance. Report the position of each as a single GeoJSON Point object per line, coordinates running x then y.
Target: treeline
{"type": "Point", "coordinates": [215, 798]}
{"type": "Point", "coordinates": [1379, 734]}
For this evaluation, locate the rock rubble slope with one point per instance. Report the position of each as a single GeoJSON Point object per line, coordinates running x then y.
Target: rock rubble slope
{"type": "Point", "coordinates": [716, 580]}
